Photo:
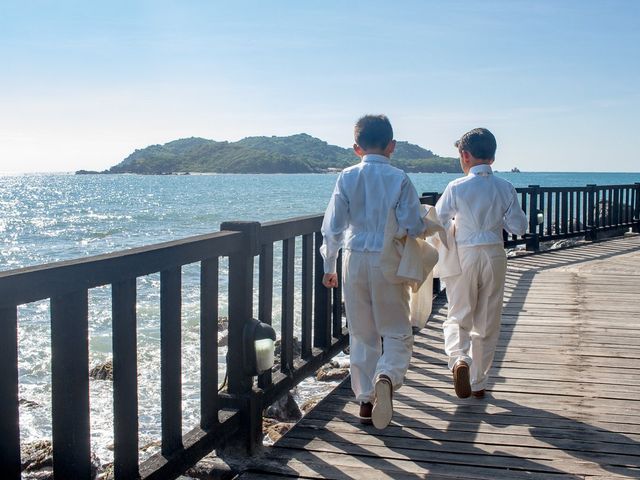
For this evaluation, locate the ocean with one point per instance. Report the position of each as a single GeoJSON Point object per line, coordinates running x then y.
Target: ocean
{"type": "Point", "coordinates": [52, 217]}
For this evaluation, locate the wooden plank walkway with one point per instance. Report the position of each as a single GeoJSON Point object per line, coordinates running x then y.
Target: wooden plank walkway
{"type": "Point", "coordinates": [563, 399]}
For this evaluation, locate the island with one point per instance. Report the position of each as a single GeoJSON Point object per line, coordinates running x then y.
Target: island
{"type": "Point", "coordinates": [300, 153]}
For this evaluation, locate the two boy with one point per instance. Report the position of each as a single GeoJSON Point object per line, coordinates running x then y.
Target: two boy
{"type": "Point", "coordinates": [476, 207]}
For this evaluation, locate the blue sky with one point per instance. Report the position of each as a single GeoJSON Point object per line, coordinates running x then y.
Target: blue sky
{"type": "Point", "coordinates": [83, 84]}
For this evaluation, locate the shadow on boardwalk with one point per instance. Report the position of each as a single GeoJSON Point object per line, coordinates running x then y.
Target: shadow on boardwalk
{"type": "Point", "coordinates": [563, 400]}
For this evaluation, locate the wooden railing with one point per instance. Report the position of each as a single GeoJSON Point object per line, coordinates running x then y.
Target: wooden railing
{"type": "Point", "coordinates": [234, 414]}
{"type": "Point", "coordinates": [569, 212]}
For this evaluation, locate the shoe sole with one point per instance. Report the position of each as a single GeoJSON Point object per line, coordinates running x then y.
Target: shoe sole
{"type": "Point", "coordinates": [461, 382]}
{"type": "Point", "coordinates": [383, 406]}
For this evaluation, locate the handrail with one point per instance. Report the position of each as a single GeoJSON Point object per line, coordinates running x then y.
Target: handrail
{"type": "Point", "coordinates": [568, 212]}
{"type": "Point", "coordinates": [233, 414]}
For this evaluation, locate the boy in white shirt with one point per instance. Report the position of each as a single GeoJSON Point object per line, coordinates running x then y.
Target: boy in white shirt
{"type": "Point", "coordinates": [478, 207]}
{"type": "Point", "coordinates": [376, 309]}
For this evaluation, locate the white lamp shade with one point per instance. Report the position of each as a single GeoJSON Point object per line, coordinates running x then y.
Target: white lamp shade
{"type": "Point", "coordinates": [265, 349]}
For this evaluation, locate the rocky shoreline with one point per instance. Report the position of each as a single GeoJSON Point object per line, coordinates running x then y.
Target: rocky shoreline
{"type": "Point", "coordinates": [278, 419]}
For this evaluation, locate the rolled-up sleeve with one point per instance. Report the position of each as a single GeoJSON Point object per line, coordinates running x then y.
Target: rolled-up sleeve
{"type": "Point", "coordinates": [515, 220]}
{"type": "Point", "coordinates": [334, 224]}
{"type": "Point", "coordinates": [408, 210]}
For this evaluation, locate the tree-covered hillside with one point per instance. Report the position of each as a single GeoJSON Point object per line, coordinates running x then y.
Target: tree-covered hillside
{"type": "Point", "coordinates": [300, 153]}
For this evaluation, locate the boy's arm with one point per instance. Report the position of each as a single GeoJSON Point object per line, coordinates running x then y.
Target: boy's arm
{"type": "Point", "coordinates": [334, 224]}
{"type": "Point", "coordinates": [408, 211]}
{"type": "Point", "coordinates": [515, 220]}
{"type": "Point", "coordinates": [445, 208]}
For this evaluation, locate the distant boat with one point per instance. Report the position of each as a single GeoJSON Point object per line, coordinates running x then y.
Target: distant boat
{"type": "Point", "coordinates": [515, 170]}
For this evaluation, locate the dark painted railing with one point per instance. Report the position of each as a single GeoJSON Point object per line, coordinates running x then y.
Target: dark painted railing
{"type": "Point", "coordinates": [557, 213]}
{"type": "Point", "coordinates": [234, 414]}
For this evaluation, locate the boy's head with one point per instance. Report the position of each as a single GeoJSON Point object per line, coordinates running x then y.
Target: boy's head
{"type": "Point", "coordinates": [480, 143]}
{"type": "Point", "coordinates": [373, 134]}
{"type": "Point", "coordinates": [477, 146]}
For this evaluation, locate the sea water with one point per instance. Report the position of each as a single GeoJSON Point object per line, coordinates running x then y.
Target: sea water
{"type": "Point", "coordinates": [51, 217]}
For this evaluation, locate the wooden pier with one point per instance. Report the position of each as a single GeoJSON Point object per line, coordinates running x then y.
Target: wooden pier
{"type": "Point", "coordinates": [563, 399]}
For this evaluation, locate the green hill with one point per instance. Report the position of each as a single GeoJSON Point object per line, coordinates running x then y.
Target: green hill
{"type": "Point", "coordinates": [299, 153]}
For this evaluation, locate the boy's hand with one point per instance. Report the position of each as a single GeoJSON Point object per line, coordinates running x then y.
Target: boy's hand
{"type": "Point", "coordinates": [330, 280]}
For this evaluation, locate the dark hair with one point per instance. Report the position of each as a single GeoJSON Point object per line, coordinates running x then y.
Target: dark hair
{"type": "Point", "coordinates": [373, 132]}
{"type": "Point", "coordinates": [479, 142]}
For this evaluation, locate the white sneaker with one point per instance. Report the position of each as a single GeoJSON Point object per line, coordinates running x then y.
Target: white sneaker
{"type": "Point", "coordinates": [383, 403]}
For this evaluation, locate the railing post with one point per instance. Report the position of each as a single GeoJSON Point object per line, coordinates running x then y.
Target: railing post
{"type": "Point", "coordinates": [125, 379]}
{"type": "Point", "coordinates": [591, 231]}
{"type": "Point", "coordinates": [532, 239]}
{"type": "Point", "coordinates": [171, 360]}
{"type": "Point", "coordinates": [70, 386]}
{"type": "Point", "coordinates": [636, 208]}
{"type": "Point", "coordinates": [9, 427]}
{"type": "Point", "coordinates": [240, 313]}
{"type": "Point", "coordinates": [240, 301]}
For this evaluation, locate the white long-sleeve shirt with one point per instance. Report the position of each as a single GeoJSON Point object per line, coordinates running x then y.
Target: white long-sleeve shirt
{"type": "Point", "coordinates": [358, 209]}
{"type": "Point", "coordinates": [483, 205]}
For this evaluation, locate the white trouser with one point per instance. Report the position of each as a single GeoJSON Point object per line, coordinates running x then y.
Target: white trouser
{"type": "Point", "coordinates": [375, 309]}
{"type": "Point", "coordinates": [472, 327]}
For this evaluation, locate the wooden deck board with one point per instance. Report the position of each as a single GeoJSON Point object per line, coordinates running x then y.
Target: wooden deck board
{"type": "Point", "coordinates": [563, 398]}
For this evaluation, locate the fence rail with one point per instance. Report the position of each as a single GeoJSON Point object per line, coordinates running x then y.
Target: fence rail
{"type": "Point", "coordinates": [557, 213]}
{"type": "Point", "coordinates": [234, 414]}
{"type": "Point", "coordinates": [231, 415]}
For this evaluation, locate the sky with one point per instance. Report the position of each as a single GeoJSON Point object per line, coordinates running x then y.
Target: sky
{"type": "Point", "coordinates": [84, 84]}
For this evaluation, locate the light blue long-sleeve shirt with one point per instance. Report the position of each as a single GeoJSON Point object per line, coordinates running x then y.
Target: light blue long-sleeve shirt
{"type": "Point", "coordinates": [483, 205]}
{"type": "Point", "coordinates": [357, 212]}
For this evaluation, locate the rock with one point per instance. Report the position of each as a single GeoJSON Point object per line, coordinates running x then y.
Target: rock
{"type": "Point", "coordinates": [156, 444]}
{"type": "Point", "coordinates": [284, 409]}
{"type": "Point", "coordinates": [103, 371]}
{"type": "Point", "coordinates": [223, 331]}
{"type": "Point", "coordinates": [211, 467]}
{"type": "Point", "coordinates": [297, 348]}
{"type": "Point", "coordinates": [517, 253]}
{"type": "Point", "coordinates": [310, 403]}
{"type": "Point", "coordinates": [107, 472]}
{"type": "Point", "coordinates": [37, 461]}
{"type": "Point", "coordinates": [340, 362]}
{"type": "Point", "coordinates": [223, 324]}
{"type": "Point", "coordinates": [563, 243]}
{"type": "Point", "coordinates": [23, 402]}
{"type": "Point", "coordinates": [327, 373]}
{"type": "Point", "coordinates": [276, 431]}
{"type": "Point", "coordinates": [36, 455]}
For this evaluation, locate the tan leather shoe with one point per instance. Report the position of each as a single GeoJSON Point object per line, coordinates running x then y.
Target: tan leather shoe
{"type": "Point", "coordinates": [461, 379]}
{"type": "Point", "coordinates": [478, 393]}
{"type": "Point", "coordinates": [365, 413]}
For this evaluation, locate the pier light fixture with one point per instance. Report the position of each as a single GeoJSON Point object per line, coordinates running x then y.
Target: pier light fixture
{"type": "Point", "coordinates": [258, 347]}
{"type": "Point", "coordinates": [540, 217]}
